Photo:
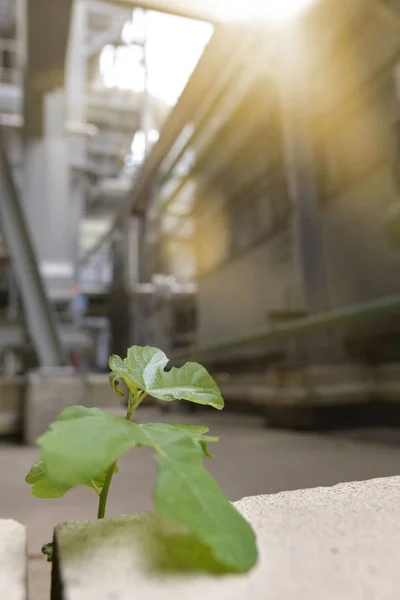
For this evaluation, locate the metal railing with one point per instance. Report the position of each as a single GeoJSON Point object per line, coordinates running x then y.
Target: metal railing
{"type": "Point", "coordinates": [359, 315]}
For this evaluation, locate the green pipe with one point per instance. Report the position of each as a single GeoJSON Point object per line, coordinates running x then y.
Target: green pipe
{"type": "Point", "coordinates": [359, 314]}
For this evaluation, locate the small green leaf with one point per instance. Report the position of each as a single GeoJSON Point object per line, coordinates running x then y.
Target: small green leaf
{"type": "Point", "coordinates": [197, 433]}
{"type": "Point", "coordinates": [42, 487]}
{"type": "Point", "coordinates": [144, 369]}
{"type": "Point", "coordinates": [205, 449]}
{"type": "Point", "coordinates": [144, 363]}
{"type": "Point", "coordinates": [191, 382]}
{"type": "Point", "coordinates": [139, 367]}
{"type": "Point", "coordinates": [120, 371]}
{"type": "Point", "coordinates": [47, 550]}
{"type": "Point", "coordinates": [36, 473]}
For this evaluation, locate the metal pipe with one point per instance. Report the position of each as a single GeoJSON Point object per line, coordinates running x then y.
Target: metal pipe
{"type": "Point", "coordinates": [356, 315]}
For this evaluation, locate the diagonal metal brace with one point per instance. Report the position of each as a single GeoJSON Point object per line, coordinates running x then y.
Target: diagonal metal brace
{"type": "Point", "coordinates": [39, 316]}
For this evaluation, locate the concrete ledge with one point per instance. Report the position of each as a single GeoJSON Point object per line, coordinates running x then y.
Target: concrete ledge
{"type": "Point", "coordinates": [317, 544]}
{"type": "Point", "coordinates": [47, 394]}
{"type": "Point", "coordinates": [98, 391]}
{"type": "Point", "coordinates": [311, 386]}
{"type": "Point", "coordinates": [388, 383]}
{"type": "Point", "coordinates": [13, 561]}
{"type": "Point", "coordinates": [11, 401]}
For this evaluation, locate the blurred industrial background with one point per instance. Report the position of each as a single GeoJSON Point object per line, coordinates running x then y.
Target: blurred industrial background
{"type": "Point", "coordinates": [218, 179]}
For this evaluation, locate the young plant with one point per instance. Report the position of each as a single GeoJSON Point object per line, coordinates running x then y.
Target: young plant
{"type": "Point", "coordinates": [83, 445]}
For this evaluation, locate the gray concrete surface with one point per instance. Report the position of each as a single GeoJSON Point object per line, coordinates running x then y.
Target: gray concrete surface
{"type": "Point", "coordinates": [47, 394]}
{"type": "Point", "coordinates": [11, 401]}
{"type": "Point", "coordinates": [250, 460]}
{"type": "Point", "coordinates": [13, 560]}
{"type": "Point", "coordinates": [322, 543]}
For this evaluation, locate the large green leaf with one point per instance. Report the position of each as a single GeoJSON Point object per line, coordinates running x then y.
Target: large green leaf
{"type": "Point", "coordinates": [83, 442]}
{"type": "Point", "coordinates": [81, 449]}
{"type": "Point", "coordinates": [76, 411]}
{"type": "Point", "coordinates": [186, 493]}
{"type": "Point", "coordinates": [144, 369]}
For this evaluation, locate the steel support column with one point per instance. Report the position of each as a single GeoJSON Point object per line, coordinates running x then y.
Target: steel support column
{"type": "Point", "coordinates": [39, 317]}
{"type": "Point", "coordinates": [46, 194]}
{"type": "Point", "coordinates": [75, 90]}
{"type": "Point", "coordinates": [300, 167]}
{"type": "Point", "coordinates": [295, 84]}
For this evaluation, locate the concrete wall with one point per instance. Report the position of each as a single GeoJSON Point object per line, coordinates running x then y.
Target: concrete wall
{"type": "Point", "coordinates": [355, 130]}
{"type": "Point", "coordinates": [236, 299]}
{"type": "Point", "coordinates": [354, 112]}
{"type": "Point", "coordinates": [360, 265]}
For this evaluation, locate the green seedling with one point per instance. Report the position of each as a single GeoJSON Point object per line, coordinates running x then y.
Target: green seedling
{"type": "Point", "coordinates": [83, 445]}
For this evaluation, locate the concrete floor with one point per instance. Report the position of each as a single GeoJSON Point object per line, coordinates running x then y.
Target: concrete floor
{"type": "Point", "coordinates": [250, 459]}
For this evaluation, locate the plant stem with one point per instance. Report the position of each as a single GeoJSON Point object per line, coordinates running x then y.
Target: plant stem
{"type": "Point", "coordinates": [109, 475]}
{"type": "Point", "coordinates": [104, 492]}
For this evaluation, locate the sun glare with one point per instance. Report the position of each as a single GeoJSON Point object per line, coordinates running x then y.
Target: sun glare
{"type": "Point", "coordinates": [267, 11]}
{"type": "Point", "coordinates": [173, 47]}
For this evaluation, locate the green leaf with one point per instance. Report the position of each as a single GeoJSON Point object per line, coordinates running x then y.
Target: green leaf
{"type": "Point", "coordinates": [144, 368]}
{"type": "Point", "coordinates": [144, 363]}
{"type": "Point", "coordinates": [42, 487]}
{"type": "Point", "coordinates": [191, 382]}
{"type": "Point", "coordinates": [77, 411]}
{"type": "Point", "coordinates": [197, 433]}
{"type": "Point", "coordinates": [205, 449]}
{"type": "Point", "coordinates": [186, 493]}
{"type": "Point", "coordinates": [120, 371]}
{"type": "Point", "coordinates": [78, 450]}
{"type": "Point", "coordinates": [47, 550]}
{"type": "Point", "coordinates": [139, 367]}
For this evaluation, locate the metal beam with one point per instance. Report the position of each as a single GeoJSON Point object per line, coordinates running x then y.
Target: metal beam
{"type": "Point", "coordinates": [96, 43]}
{"type": "Point", "coordinates": [39, 316]}
{"type": "Point", "coordinates": [200, 10]}
{"type": "Point", "coordinates": [46, 28]}
{"type": "Point", "coordinates": [205, 79]}
{"type": "Point", "coordinates": [14, 335]}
